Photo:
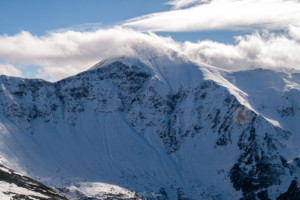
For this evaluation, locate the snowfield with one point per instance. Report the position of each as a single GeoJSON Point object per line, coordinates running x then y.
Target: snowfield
{"type": "Point", "coordinates": [161, 127]}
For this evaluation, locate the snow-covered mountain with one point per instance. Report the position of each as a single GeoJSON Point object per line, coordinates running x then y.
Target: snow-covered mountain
{"type": "Point", "coordinates": [159, 126]}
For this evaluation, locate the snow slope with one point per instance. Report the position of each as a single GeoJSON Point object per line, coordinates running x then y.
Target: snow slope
{"type": "Point", "coordinates": [16, 186]}
{"type": "Point", "coordinates": [161, 126]}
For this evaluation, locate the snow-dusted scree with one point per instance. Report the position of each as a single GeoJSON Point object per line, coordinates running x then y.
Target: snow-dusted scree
{"type": "Point", "coordinates": [156, 127]}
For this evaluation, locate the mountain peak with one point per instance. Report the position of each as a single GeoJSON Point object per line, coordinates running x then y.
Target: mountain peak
{"type": "Point", "coordinates": [157, 123]}
{"type": "Point", "coordinates": [150, 58]}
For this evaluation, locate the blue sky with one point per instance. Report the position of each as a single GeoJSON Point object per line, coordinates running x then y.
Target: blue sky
{"type": "Point", "coordinates": [58, 38]}
{"type": "Point", "coordinates": [38, 17]}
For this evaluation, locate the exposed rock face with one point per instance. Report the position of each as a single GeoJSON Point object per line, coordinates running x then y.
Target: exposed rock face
{"type": "Point", "coordinates": [194, 131]}
{"type": "Point", "coordinates": [24, 100]}
{"type": "Point", "coordinates": [293, 192]}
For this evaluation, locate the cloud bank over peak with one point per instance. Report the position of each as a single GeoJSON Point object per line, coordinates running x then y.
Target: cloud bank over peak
{"type": "Point", "coordinates": [221, 15]}
{"type": "Point", "coordinates": [67, 53]}
{"type": "Point", "coordinates": [9, 70]}
{"type": "Point", "coordinates": [63, 54]}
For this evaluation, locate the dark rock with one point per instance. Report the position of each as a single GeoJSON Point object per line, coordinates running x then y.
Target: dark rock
{"type": "Point", "coordinates": [293, 192]}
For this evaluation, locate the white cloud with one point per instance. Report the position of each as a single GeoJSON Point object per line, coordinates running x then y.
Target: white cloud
{"type": "Point", "coordinates": [294, 32]}
{"type": "Point", "coordinates": [67, 53]}
{"type": "Point", "coordinates": [184, 3]}
{"type": "Point", "coordinates": [222, 15]}
{"type": "Point", "coordinates": [9, 70]}
{"type": "Point", "coordinates": [63, 54]}
{"type": "Point", "coordinates": [266, 50]}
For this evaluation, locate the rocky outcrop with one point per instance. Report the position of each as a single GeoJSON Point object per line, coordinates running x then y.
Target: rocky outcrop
{"type": "Point", "coordinates": [293, 192]}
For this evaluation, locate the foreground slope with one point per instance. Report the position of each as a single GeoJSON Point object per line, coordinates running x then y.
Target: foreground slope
{"type": "Point", "coordinates": [17, 186]}
{"type": "Point", "coordinates": [158, 125]}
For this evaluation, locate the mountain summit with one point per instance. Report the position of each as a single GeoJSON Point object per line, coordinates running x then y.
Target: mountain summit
{"type": "Point", "coordinates": [162, 127]}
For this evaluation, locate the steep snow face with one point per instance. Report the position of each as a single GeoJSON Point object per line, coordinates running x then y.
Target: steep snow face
{"type": "Point", "coordinates": [161, 126]}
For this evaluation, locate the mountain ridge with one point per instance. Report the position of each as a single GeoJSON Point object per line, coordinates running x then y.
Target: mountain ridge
{"type": "Point", "coordinates": [147, 124]}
